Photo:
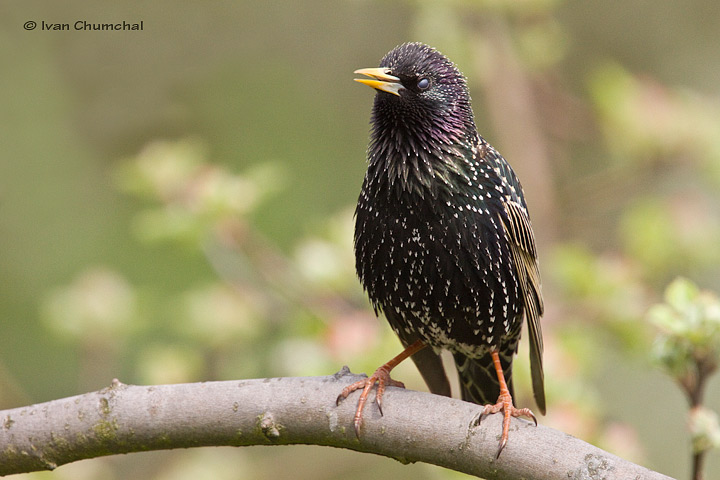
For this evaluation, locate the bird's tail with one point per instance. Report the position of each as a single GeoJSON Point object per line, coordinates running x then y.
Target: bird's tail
{"type": "Point", "coordinates": [478, 379]}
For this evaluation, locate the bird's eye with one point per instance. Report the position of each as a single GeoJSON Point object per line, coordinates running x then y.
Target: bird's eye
{"type": "Point", "coordinates": [423, 83]}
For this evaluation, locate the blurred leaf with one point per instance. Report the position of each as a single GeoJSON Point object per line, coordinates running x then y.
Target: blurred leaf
{"type": "Point", "coordinates": [327, 259]}
{"type": "Point", "coordinates": [681, 294]}
{"type": "Point", "coordinates": [161, 170]}
{"type": "Point", "coordinates": [163, 364]}
{"type": "Point", "coordinates": [688, 339]}
{"type": "Point", "coordinates": [99, 305]}
{"type": "Point", "coordinates": [196, 198]}
{"type": "Point", "coordinates": [218, 315]}
{"type": "Point", "coordinates": [169, 223]}
{"type": "Point", "coordinates": [704, 428]}
{"type": "Point", "coordinates": [689, 315]}
{"type": "Point", "coordinates": [301, 356]}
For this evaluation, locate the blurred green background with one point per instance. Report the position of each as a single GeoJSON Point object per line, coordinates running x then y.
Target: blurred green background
{"type": "Point", "coordinates": [176, 204]}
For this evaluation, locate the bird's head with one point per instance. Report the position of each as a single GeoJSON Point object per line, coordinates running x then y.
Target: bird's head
{"type": "Point", "coordinates": [420, 92]}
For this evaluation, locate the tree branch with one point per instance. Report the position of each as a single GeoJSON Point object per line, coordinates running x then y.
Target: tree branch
{"type": "Point", "coordinates": [416, 427]}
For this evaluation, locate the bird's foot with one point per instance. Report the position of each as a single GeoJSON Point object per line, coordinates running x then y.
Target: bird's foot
{"type": "Point", "coordinates": [382, 378]}
{"type": "Point", "coordinates": [505, 404]}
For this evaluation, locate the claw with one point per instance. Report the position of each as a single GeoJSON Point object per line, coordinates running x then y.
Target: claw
{"type": "Point", "coordinates": [504, 404]}
{"type": "Point", "coordinates": [382, 378]}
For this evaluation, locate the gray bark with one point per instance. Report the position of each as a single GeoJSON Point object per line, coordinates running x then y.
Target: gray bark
{"type": "Point", "coordinates": [416, 427]}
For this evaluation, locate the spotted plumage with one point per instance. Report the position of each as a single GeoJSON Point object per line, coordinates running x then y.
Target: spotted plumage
{"type": "Point", "coordinates": [443, 241]}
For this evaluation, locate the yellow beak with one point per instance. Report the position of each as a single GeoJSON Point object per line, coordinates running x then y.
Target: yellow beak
{"type": "Point", "coordinates": [380, 79]}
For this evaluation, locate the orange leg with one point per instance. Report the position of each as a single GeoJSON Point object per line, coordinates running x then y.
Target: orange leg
{"type": "Point", "coordinates": [504, 403]}
{"type": "Point", "coordinates": [382, 378]}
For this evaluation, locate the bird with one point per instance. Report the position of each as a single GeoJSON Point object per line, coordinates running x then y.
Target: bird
{"type": "Point", "coordinates": [443, 242]}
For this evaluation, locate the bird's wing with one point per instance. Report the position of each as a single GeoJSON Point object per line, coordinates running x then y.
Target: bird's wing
{"type": "Point", "coordinates": [522, 245]}
{"type": "Point", "coordinates": [427, 361]}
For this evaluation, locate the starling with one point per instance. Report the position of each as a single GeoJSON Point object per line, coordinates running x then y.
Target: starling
{"type": "Point", "coordinates": [443, 241]}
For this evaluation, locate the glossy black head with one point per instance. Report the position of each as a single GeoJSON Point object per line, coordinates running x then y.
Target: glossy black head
{"type": "Point", "coordinates": [420, 93]}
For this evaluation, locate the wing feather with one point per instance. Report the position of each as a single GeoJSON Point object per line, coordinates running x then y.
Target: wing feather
{"type": "Point", "coordinates": [522, 245]}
